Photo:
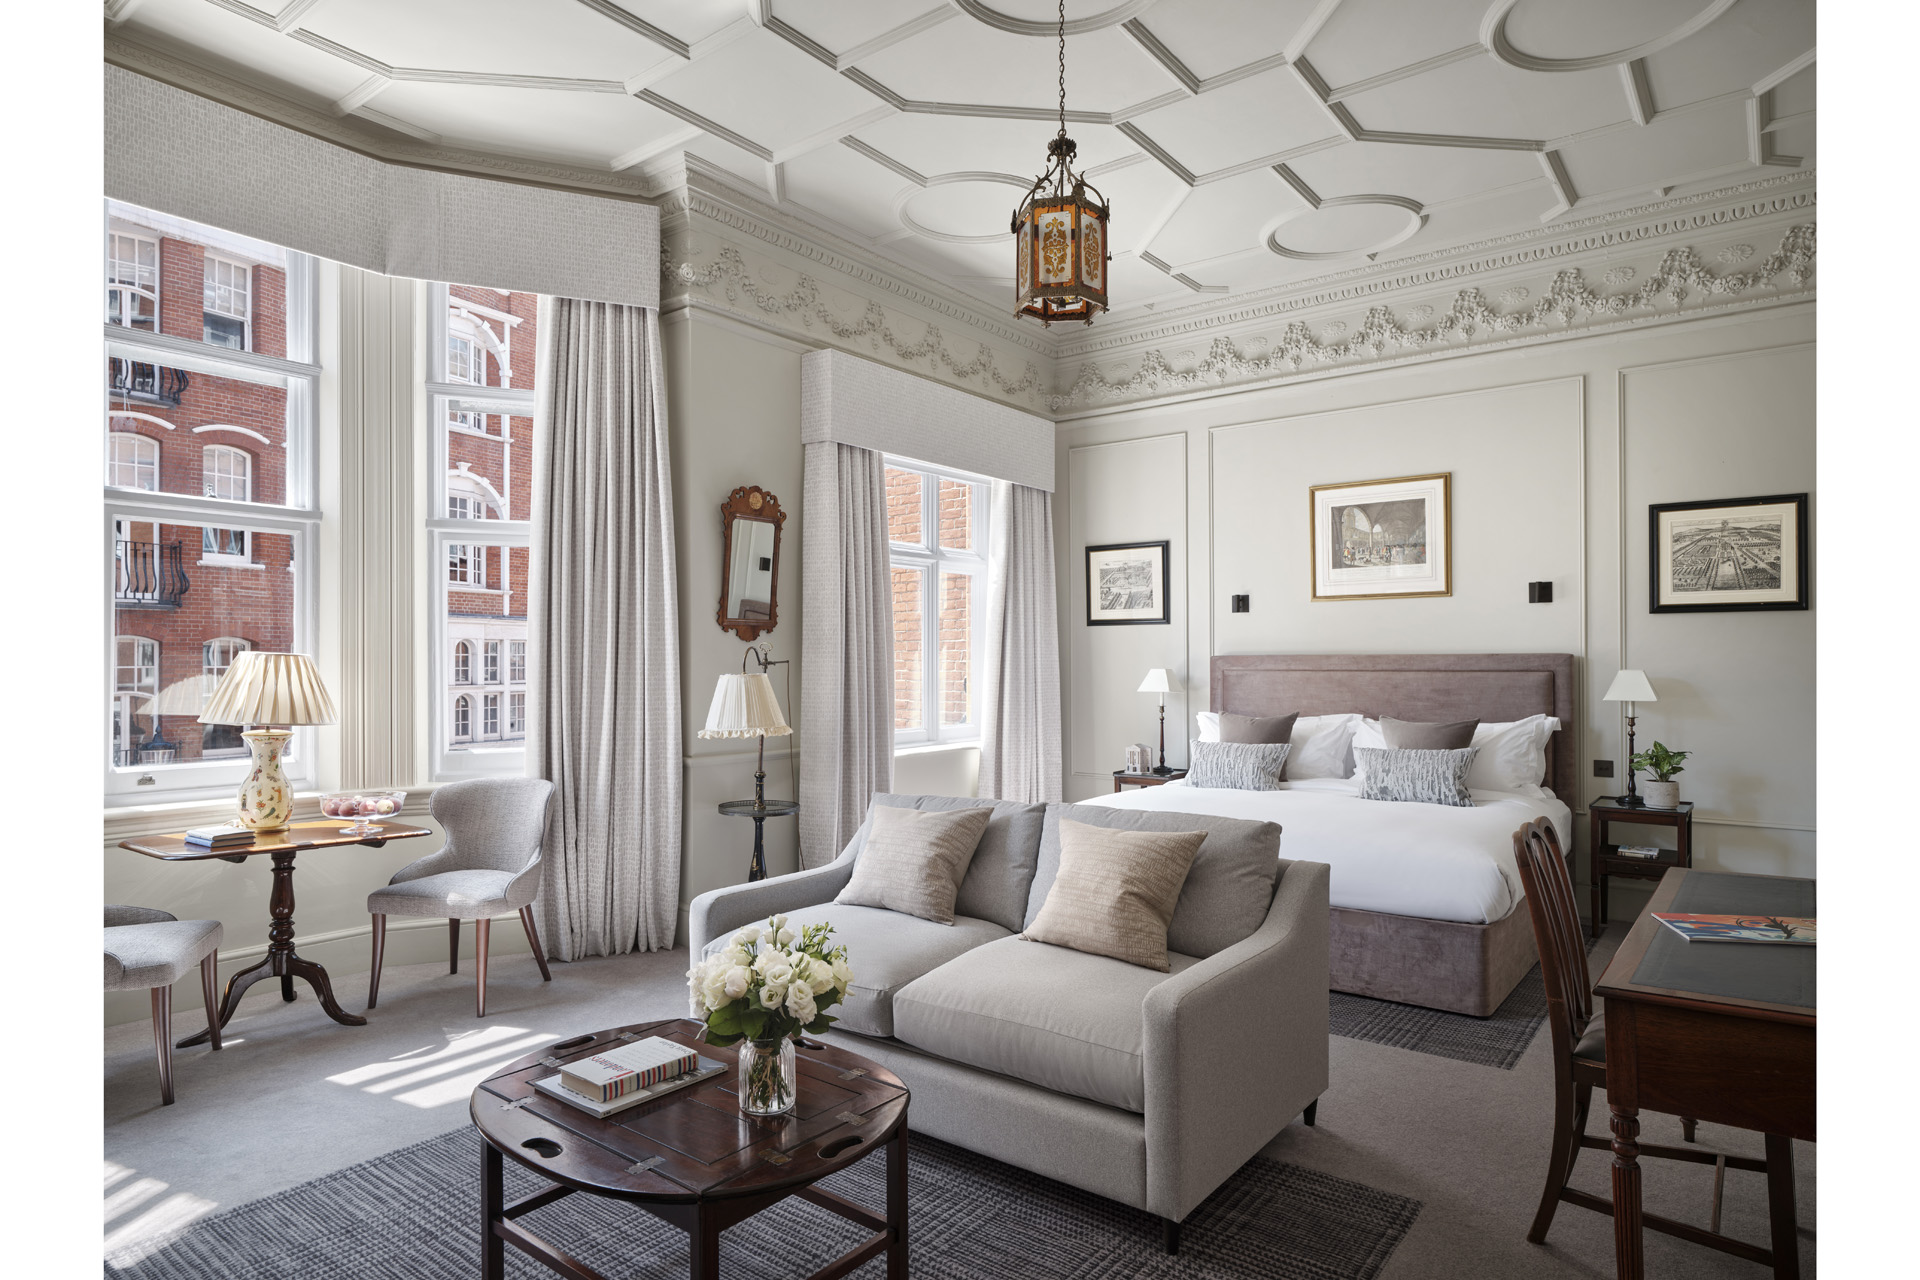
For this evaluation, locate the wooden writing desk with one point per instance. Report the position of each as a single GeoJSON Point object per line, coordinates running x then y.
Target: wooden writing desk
{"type": "Point", "coordinates": [281, 960]}
{"type": "Point", "coordinates": [1719, 1031]}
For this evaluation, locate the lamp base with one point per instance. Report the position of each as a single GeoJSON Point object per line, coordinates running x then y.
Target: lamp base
{"type": "Point", "coordinates": [266, 801]}
{"type": "Point", "coordinates": [1632, 801]}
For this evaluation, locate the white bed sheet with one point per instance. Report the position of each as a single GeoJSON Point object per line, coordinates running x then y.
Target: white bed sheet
{"type": "Point", "coordinates": [1445, 862]}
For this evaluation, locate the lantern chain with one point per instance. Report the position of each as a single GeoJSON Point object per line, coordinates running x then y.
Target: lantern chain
{"type": "Point", "coordinates": [1063, 68]}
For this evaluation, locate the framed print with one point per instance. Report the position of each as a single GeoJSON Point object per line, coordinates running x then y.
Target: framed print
{"type": "Point", "coordinates": [1127, 584]}
{"type": "Point", "coordinates": [1378, 539]}
{"type": "Point", "coordinates": [1729, 555]}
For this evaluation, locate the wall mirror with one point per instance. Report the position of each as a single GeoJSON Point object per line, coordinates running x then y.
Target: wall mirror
{"type": "Point", "coordinates": [750, 562]}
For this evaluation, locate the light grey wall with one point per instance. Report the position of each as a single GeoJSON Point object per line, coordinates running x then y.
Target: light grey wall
{"type": "Point", "coordinates": [1556, 452]}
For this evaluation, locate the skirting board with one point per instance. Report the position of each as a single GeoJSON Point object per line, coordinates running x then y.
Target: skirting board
{"type": "Point", "coordinates": [1438, 964]}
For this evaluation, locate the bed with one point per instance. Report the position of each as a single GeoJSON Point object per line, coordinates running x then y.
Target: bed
{"type": "Point", "coordinates": [1426, 901]}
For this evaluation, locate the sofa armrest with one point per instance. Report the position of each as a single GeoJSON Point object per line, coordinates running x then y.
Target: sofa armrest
{"type": "Point", "coordinates": [1236, 1046]}
{"type": "Point", "coordinates": [721, 911]}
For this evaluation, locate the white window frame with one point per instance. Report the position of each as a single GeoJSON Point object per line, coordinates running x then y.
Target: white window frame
{"type": "Point", "coordinates": [216, 655]}
{"type": "Point", "coordinates": [489, 715]}
{"type": "Point", "coordinates": [929, 556]}
{"type": "Point", "coordinates": [463, 662]}
{"type": "Point", "coordinates": [490, 662]}
{"type": "Point", "coordinates": [462, 726]}
{"type": "Point", "coordinates": [146, 458]}
{"type": "Point", "coordinates": [516, 662]}
{"type": "Point", "coordinates": [218, 297]}
{"type": "Point", "coordinates": [516, 714]}
{"type": "Point", "coordinates": [220, 466]}
{"type": "Point", "coordinates": [297, 517]}
{"type": "Point", "coordinates": [134, 283]}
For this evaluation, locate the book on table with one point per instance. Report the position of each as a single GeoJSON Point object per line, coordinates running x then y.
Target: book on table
{"type": "Point", "coordinates": [703, 1069]}
{"type": "Point", "coordinates": [225, 833]}
{"type": "Point", "coordinates": [627, 1068]}
{"type": "Point", "coordinates": [1795, 931]}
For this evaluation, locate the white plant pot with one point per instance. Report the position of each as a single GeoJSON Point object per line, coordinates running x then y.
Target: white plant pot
{"type": "Point", "coordinates": [1661, 795]}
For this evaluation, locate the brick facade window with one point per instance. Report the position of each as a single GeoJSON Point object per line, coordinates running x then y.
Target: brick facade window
{"type": "Point", "coordinates": [516, 715]}
{"type": "Point", "coordinates": [228, 304]}
{"type": "Point", "coordinates": [517, 662]}
{"type": "Point", "coordinates": [133, 461]}
{"type": "Point", "coordinates": [462, 719]}
{"type": "Point", "coordinates": [463, 663]}
{"type": "Point", "coordinates": [133, 282]}
{"type": "Point", "coordinates": [936, 523]}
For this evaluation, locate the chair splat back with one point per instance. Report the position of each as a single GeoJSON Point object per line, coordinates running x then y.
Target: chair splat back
{"type": "Point", "coordinates": [1556, 932]}
{"type": "Point", "coordinates": [492, 824]}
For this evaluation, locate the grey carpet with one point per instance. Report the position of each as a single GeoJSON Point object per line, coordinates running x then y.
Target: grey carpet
{"type": "Point", "coordinates": [413, 1215]}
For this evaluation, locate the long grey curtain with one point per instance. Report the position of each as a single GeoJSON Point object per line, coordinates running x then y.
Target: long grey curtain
{"type": "Point", "coordinates": [605, 632]}
{"type": "Point", "coordinates": [1020, 703]}
{"type": "Point", "coordinates": [846, 646]}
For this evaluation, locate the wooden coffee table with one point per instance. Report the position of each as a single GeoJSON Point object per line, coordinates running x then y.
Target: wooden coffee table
{"type": "Point", "coordinates": [692, 1158]}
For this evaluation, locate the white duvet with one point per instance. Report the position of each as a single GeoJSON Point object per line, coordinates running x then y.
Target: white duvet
{"type": "Point", "coordinates": [1445, 862]}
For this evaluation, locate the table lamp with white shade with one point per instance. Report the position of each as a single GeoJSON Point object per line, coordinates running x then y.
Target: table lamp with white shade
{"type": "Point", "coordinates": [272, 693]}
{"type": "Point", "coordinates": [1630, 686]}
{"type": "Point", "coordinates": [1160, 681]}
{"type": "Point", "coordinates": [744, 706]}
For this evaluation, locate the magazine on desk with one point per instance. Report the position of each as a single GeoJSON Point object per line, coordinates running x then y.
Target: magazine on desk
{"type": "Point", "coordinates": [1793, 931]}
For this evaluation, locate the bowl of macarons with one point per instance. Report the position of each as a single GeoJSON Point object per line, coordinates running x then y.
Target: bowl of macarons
{"type": "Point", "coordinates": [366, 808]}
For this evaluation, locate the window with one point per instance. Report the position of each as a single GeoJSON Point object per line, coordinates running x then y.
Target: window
{"type": "Point", "coordinates": [228, 308]}
{"type": "Point", "coordinates": [462, 719]}
{"type": "Point", "coordinates": [463, 663]}
{"type": "Point", "coordinates": [490, 710]}
{"type": "Point", "coordinates": [133, 461]}
{"type": "Point", "coordinates": [466, 564]}
{"type": "Point", "coordinates": [465, 363]}
{"type": "Point", "coordinates": [209, 496]}
{"type": "Point", "coordinates": [226, 473]}
{"type": "Point", "coordinates": [133, 282]}
{"type": "Point", "coordinates": [517, 662]}
{"type": "Point", "coordinates": [490, 659]}
{"type": "Point", "coordinates": [516, 715]}
{"type": "Point", "coordinates": [937, 528]}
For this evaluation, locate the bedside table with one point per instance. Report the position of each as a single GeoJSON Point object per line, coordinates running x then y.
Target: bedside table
{"type": "Point", "coordinates": [1121, 778]}
{"type": "Point", "coordinates": [1605, 862]}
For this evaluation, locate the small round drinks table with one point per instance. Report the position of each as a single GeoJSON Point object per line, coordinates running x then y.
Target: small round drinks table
{"type": "Point", "coordinates": [691, 1157]}
{"type": "Point", "coordinates": [759, 811]}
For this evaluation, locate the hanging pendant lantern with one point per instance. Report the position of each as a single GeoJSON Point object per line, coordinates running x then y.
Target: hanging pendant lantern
{"type": "Point", "coordinates": [1060, 232]}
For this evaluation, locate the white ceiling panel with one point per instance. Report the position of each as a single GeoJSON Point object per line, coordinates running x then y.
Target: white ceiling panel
{"type": "Point", "coordinates": [589, 128]}
{"type": "Point", "coordinates": [1670, 149]}
{"type": "Point", "coordinates": [1211, 37]}
{"type": "Point", "coordinates": [1795, 94]}
{"type": "Point", "coordinates": [1481, 97]}
{"type": "Point", "coordinates": [843, 26]}
{"type": "Point", "coordinates": [766, 90]}
{"type": "Point", "coordinates": [1753, 39]}
{"type": "Point", "coordinates": [847, 187]}
{"type": "Point", "coordinates": [229, 41]}
{"type": "Point", "coordinates": [1366, 38]}
{"type": "Point", "coordinates": [688, 20]}
{"type": "Point", "coordinates": [1426, 174]}
{"type": "Point", "coordinates": [496, 37]}
{"type": "Point", "coordinates": [1139, 194]}
{"type": "Point", "coordinates": [1259, 116]}
{"type": "Point", "coordinates": [749, 169]}
{"type": "Point", "coordinates": [1796, 140]}
{"type": "Point", "coordinates": [930, 144]}
{"type": "Point", "coordinates": [1225, 217]}
{"type": "Point", "coordinates": [973, 63]}
{"type": "Point", "coordinates": [1509, 210]}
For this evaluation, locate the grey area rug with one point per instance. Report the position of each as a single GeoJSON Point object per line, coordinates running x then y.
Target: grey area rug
{"type": "Point", "coordinates": [1497, 1040]}
{"type": "Point", "coordinates": [414, 1214]}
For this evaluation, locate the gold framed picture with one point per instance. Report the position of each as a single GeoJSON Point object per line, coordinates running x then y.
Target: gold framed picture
{"type": "Point", "coordinates": [1382, 539]}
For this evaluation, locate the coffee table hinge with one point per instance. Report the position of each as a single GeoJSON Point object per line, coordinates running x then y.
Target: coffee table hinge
{"type": "Point", "coordinates": [647, 1165]}
{"type": "Point", "coordinates": [851, 1117]}
{"type": "Point", "coordinates": [776, 1157]}
{"type": "Point", "coordinates": [517, 1103]}
{"type": "Point", "coordinates": [853, 1073]}
{"type": "Point", "coordinates": [551, 1061]}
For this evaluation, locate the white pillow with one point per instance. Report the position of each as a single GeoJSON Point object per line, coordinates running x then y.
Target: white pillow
{"type": "Point", "coordinates": [1512, 755]}
{"type": "Point", "coordinates": [1320, 743]}
{"type": "Point", "coordinates": [1367, 733]}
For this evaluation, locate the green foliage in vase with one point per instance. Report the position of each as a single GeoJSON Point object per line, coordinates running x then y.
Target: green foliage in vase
{"type": "Point", "coordinates": [1659, 761]}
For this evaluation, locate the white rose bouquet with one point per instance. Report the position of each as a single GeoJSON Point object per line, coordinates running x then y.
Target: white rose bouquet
{"type": "Point", "coordinates": [766, 986]}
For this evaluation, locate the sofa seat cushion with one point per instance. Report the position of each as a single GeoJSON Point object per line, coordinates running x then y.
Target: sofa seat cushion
{"type": "Point", "coordinates": [886, 950]}
{"type": "Point", "coordinates": [1058, 1018]}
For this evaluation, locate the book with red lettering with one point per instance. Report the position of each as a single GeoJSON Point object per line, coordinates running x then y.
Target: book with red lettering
{"type": "Point", "coordinates": [628, 1068]}
{"type": "Point", "coordinates": [1796, 931]}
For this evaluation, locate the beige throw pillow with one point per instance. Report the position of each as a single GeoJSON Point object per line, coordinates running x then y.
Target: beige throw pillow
{"type": "Point", "coordinates": [915, 859]}
{"type": "Point", "coordinates": [1115, 892]}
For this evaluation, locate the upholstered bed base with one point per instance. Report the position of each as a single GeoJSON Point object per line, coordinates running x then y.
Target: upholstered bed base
{"type": "Point", "coordinates": [1441, 964]}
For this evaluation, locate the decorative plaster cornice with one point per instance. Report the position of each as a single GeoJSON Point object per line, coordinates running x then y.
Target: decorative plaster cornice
{"type": "Point", "coordinates": [1471, 323]}
{"type": "Point", "coordinates": [873, 327]}
{"type": "Point", "coordinates": [1620, 228]}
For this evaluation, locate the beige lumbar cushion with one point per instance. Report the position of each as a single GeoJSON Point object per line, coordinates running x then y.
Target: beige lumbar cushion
{"type": "Point", "coordinates": [1115, 892]}
{"type": "Point", "coordinates": [915, 859]}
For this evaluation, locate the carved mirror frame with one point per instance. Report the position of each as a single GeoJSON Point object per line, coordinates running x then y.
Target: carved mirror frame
{"type": "Point", "coordinates": [749, 502]}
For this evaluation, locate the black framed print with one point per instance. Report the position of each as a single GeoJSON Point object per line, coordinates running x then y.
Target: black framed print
{"type": "Point", "coordinates": [1381, 539]}
{"type": "Point", "coordinates": [1127, 584]}
{"type": "Point", "coordinates": [1728, 555]}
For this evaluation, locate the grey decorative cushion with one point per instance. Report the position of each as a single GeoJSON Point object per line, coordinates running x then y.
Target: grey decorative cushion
{"type": "Point", "coordinates": [1001, 873]}
{"type": "Point", "coordinates": [156, 954]}
{"type": "Point", "coordinates": [914, 860]}
{"type": "Point", "coordinates": [453, 895]}
{"type": "Point", "coordinates": [1417, 735]}
{"type": "Point", "coordinates": [1415, 776]}
{"type": "Point", "coordinates": [1239, 728]}
{"type": "Point", "coordinates": [1115, 892]}
{"type": "Point", "coordinates": [1228, 889]}
{"type": "Point", "coordinates": [1237, 766]}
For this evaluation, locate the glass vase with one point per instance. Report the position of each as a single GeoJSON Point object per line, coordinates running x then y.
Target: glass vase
{"type": "Point", "coordinates": [767, 1077]}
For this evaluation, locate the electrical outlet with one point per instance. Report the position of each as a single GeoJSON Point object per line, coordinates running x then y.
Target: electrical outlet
{"type": "Point", "coordinates": [1240, 605]}
{"type": "Point", "coordinates": [1603, 768]}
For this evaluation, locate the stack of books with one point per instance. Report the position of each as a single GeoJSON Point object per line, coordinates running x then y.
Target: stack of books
{"type": "Point", "coordinates": [624, 1075]}
{"type": "Point", "coordinates": [227, 835]}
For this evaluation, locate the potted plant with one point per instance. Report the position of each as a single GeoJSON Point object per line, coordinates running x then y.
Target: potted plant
{"type": "Point", "coordinates": [1663, 792]}
{"type": "Point", "coordinates": [760, 991]}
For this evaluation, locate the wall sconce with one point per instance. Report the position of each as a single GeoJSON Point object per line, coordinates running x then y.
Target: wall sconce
{"type": "Point", "coordinates": [1539, 593]}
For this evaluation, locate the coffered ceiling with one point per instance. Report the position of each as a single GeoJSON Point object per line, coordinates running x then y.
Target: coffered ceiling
{"type": "Point", "coordinates": [1244, 144]}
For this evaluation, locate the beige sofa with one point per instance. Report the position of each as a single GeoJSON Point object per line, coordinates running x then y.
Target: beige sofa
{"type": "Point", "coordinates": [1148, 1088]}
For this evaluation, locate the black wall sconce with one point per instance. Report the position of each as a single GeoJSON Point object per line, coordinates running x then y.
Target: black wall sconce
{"type": "Point", "coordinates": [1539, 593]}
{"type": "Point", "coordinates": [1240, 604]}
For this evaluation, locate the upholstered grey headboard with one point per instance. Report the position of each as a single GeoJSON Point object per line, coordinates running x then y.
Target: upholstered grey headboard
{"type": "Point", "coordinates": [1410, 686]}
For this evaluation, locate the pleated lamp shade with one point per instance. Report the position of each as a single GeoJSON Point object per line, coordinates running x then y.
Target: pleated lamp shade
{"type": "Point", "coordinates": [270, 688]}
{"type": "Point", "coordinates": [744, 706]}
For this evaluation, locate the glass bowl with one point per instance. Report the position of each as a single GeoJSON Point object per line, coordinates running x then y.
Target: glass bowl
{"type": "Point", "coordinates": [364, 807]}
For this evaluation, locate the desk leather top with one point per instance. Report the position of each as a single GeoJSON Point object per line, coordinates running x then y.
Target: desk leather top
{"type": "Point", "coordinates": [1741, 971]}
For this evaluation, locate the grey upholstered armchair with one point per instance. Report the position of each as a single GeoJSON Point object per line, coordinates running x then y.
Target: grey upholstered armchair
{"type": "Point", "coordinates": [490, 865]}
{"type": "Point", "coordinates": [152, 949]}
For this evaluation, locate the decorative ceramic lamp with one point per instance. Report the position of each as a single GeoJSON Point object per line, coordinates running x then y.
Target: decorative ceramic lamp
{"type": "Point", "coordinates": [1630, 686]}
{"type": "Point", "coordinates": [272, 692]}
{"type": "Point", "coordinates": [1161, 682]}
{"type": "Point", "coordinates": [744, 707]}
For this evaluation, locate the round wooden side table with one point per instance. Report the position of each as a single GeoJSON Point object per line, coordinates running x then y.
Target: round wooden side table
{"type": "Point", "coordinates": [759, 811]}
{"type": "Point", "coordinates": [692, 1157]}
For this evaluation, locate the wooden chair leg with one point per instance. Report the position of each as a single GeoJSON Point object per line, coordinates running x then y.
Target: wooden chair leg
{"type": "Point", "coordinates": [453, 946]}
{"type": "Point", "coordinates": [162, 998]}
{"type": "Point", "coordinates": [1687, 1126]}
{"type": "Point", "coordinates": [1781, 1214]}
{"type": "Point", "coordinates": [1566, 1141]}
{"type": "Point", "coordinates": [379, 956]}
{"type": "Point", "coordinates": [209, 992]}
{"type": "Point", "coordinates": [533, 940]}
{"type": "Point", "coordinates": [481, 928]}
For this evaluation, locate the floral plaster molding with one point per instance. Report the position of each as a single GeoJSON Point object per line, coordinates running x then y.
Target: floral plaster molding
{"type": "Point", "coordinates": [1472, 321]}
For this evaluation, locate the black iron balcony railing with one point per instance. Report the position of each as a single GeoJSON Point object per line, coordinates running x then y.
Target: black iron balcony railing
{"type": "Point", "coordinates": [148, 574]}
{"type": "Point", "coordinates": [148, 383]}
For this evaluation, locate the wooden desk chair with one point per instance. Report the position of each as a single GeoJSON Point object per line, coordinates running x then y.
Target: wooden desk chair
{"type": "Point", "coordinates": [1580, 1049]}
